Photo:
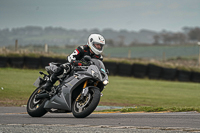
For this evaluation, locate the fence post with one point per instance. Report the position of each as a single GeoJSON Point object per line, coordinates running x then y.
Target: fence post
{"type": "Point", "coordinates": [129, 54]}
{"type": "Point", "coordinates": [16, 45]}
{"type": "Point", "coordinates": [46, 48]}
{"type": "Point", "coordinates": [199, 53]}
{"type": "Point", "coordinates": [163, 56]}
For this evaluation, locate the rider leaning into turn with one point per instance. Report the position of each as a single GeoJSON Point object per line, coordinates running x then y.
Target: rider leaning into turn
{"type": "Point", "coordinates": [93, 48]}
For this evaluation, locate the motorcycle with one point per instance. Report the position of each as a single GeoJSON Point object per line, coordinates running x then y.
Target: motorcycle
{"type": "Point", "coordinates": [78, 92]}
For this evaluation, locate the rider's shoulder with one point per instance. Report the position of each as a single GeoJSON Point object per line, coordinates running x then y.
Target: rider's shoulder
{"type": "Point", "coordinates": [83, 47]}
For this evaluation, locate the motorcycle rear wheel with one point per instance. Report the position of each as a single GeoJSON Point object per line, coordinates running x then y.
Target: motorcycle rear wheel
{"type": "Point", "coordinates": [84, 108]}
{"type": "Point", "coordinates": [35, 108]}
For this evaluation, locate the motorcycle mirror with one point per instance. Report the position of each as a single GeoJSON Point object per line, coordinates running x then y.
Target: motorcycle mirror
{"type": "Point", "coordinates": [41, 73]}
{"type": "Point", "coordinates": [107, 71]}
{"type": "Point", "coordinates": [87, 58]}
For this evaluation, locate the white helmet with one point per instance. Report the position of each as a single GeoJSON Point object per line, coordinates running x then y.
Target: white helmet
{"type": "Point", "coordinates": [96, 43]}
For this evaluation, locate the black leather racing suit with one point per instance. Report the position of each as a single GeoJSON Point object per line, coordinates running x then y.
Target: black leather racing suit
{"type": "Point", "coordinates": [80, 52]}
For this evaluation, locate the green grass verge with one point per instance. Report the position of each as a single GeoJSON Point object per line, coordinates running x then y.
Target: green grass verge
{"type": "Point", "coordinates": [153, 109]}
{"type": "Point", "coordinates": [16, 85]}
{"type": "Point", "coordinates": [155, 93]}
{"type": "Point", "coordinates": [147, 95]}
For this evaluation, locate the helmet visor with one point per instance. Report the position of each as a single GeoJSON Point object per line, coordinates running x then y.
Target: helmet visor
{"type": "Point", "coordinates": [98, 46]}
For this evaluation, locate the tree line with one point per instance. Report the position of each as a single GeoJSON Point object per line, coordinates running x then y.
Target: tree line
{"type": "Point", "coordinates": [56, 36]}
{"type": "Point", "coordinates": [190, 35]}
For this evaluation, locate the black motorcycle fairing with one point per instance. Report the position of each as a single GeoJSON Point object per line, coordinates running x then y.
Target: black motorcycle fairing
{"type": "Point", "coordinates": [63, 100]}
{"type": "Point", "coordinates": [101, 68]}
{"type": "Point", "coordinates": [57, 102]}
{"type": "Point", "coordinates": [67, 93]}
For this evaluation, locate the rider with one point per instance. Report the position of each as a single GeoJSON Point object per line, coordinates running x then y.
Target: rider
{"type": "Point", "coordinates": [93, 48]}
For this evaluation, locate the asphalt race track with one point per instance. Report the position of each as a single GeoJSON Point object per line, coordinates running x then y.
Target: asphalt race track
{"type": "Point", "coordinates": [15, 119]}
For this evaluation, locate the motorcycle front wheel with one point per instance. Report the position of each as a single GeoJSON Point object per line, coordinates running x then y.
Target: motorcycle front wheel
{"type": "Point", "coordinates": [35, 108]}
{"type": "Point", "coordinates": [82, 109]}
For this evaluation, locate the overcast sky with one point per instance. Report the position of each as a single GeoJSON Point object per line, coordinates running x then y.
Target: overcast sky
{"type": "Point", "coordinates": [132, 15]}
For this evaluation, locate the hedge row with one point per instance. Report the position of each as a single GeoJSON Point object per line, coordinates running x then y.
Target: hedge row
{"type": "Point", "coordinates": [28, 62]}
{"type": "Point", "coordinates": [151, 71]}
{"type": "Point", "coordinates": [121, 69]}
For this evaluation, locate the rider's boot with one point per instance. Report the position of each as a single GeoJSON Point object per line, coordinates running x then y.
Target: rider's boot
{"type": "Point", "coordinates": [54, 77]}
{"type": "Point", "coordinates": [49, 84]}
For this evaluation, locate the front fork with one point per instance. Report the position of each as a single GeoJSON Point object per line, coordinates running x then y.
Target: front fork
{"type": "Point", "coordinates": [85, 90]}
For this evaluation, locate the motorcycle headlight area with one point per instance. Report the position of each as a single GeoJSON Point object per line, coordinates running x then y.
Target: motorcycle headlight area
{"type": "Point", "coordinates": [95, 75]}
{"type": "Point", "coordinates": [105, 82]}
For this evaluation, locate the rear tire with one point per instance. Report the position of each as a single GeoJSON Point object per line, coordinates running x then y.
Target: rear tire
{"type": "Point", "coordinates": [85, 108]}
{"type": "Point", "coordinates": [35, 108]}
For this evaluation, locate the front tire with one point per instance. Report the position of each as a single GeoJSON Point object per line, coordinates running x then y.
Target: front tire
{"type": "Point", "coordinates": [35, 108]}
{"type": "Point", "coordinates": [84, 108]}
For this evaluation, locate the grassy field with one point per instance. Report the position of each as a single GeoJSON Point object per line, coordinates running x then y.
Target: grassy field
{"type": "Point", "coordinates": [155, 51]}
{"type": "Point", "coordinates": [16, 87]}
{"type": "Point", "coordinates": [144, 92]}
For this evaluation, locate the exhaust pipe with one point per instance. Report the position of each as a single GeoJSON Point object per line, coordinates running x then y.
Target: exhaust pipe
{"type": "Point", "coordinates": [41, 96]}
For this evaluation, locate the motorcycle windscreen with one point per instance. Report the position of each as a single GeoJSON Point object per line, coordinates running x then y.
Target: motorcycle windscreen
{"type": "Point", "coordinates": [99, 64]}
{"type": "Point", "coordinates": [37, 82]}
